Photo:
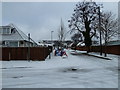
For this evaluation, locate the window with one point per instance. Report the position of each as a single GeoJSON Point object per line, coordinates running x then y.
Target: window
{"type": "Point", "coordinates": [1, 30]}
{"type": "Point", "coordinates": [13, 44]}
{"type": "Point", "coordinates": [6, 31]}
{"type": "Point", "coordinates": [0, 42]}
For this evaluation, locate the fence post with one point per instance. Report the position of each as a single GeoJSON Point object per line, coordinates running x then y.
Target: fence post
{"type": "Point", "coordinates": [9, 55]}
{"type": "Point", "coordinates": [44, 52]}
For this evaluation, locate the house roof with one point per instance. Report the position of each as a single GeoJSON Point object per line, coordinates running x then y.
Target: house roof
{"type": "Point", "coordinates": [17, 36]}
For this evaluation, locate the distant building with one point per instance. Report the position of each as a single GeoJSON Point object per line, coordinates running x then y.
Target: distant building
{"type": "Point", "coordinates": [95, 43]}
{"type": "Point", "coordinates": [13, 37]}
{"type": "Point", "coordinates": [46, 43]}
{"type": "Point", "coordinates": [116, 42]}
{"type": "Point", "coordinates": [55, 43]}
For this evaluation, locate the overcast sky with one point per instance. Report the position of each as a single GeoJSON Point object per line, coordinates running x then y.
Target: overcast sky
{"type": "Point", "coordinates": [40, 18]}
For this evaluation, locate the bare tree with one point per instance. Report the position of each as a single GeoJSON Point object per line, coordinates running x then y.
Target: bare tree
{"type": "Point", "coordinates": [61, 33]}
{"type": "Point", "coordinates": [84, 20]}
{"type": "Point", "coordinates": [109, 27]}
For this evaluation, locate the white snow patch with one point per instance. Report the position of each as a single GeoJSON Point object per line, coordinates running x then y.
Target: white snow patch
{"type": "Point", "coordinates": [76, 71]}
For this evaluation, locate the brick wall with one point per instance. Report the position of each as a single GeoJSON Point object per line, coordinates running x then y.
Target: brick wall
{"type": "Point", "coordinates": [115, 49]}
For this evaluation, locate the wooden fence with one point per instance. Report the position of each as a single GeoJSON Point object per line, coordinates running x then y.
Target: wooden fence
{"type": "Point", "coordinates": [115, 49]}
{"type": "Point", "coordinates": [25, 53]}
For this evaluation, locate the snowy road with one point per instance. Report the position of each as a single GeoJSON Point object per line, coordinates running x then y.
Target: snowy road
{"type": "Point", "coordinates": [76, 71]}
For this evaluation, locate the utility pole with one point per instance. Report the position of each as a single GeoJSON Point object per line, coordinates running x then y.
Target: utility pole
{"type": "Point", "coordinates": [100, 32]}
{"type": "Point", "coordinates": [29, 46]}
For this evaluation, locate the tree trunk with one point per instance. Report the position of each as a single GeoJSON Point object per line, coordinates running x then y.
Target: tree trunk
{"type": "Point", "coordinates": [86, 34]}
{"type": "Point", "coordinates": [88, 41]}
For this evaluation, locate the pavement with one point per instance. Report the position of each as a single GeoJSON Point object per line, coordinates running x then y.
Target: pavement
{"type": "Point", "coordinates": [89, 54]}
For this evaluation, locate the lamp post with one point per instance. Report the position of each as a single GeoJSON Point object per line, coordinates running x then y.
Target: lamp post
{"type": "Point", "coordinates": [51, 36]}
{"type": "Point", "coordinates": [100, 31]}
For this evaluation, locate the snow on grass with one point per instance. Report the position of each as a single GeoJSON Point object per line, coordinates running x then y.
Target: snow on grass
{"type": "Point", "coordinates": [76, 71]}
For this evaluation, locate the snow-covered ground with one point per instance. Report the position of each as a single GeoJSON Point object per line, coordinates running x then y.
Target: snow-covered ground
{"type": "Point", "coordinates": [76, 71]}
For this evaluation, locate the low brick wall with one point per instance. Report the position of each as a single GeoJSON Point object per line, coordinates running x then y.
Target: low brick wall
{"type": "Point", "coordinates": [115, 49]}
{"type": "Point", "coordinates": [24, 53]}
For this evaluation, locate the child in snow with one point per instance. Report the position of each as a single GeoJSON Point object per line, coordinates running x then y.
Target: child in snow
{"type": "Point", "coordinates": [63, 52]}
{"type": "Point", "coordinates": [60, 52]}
